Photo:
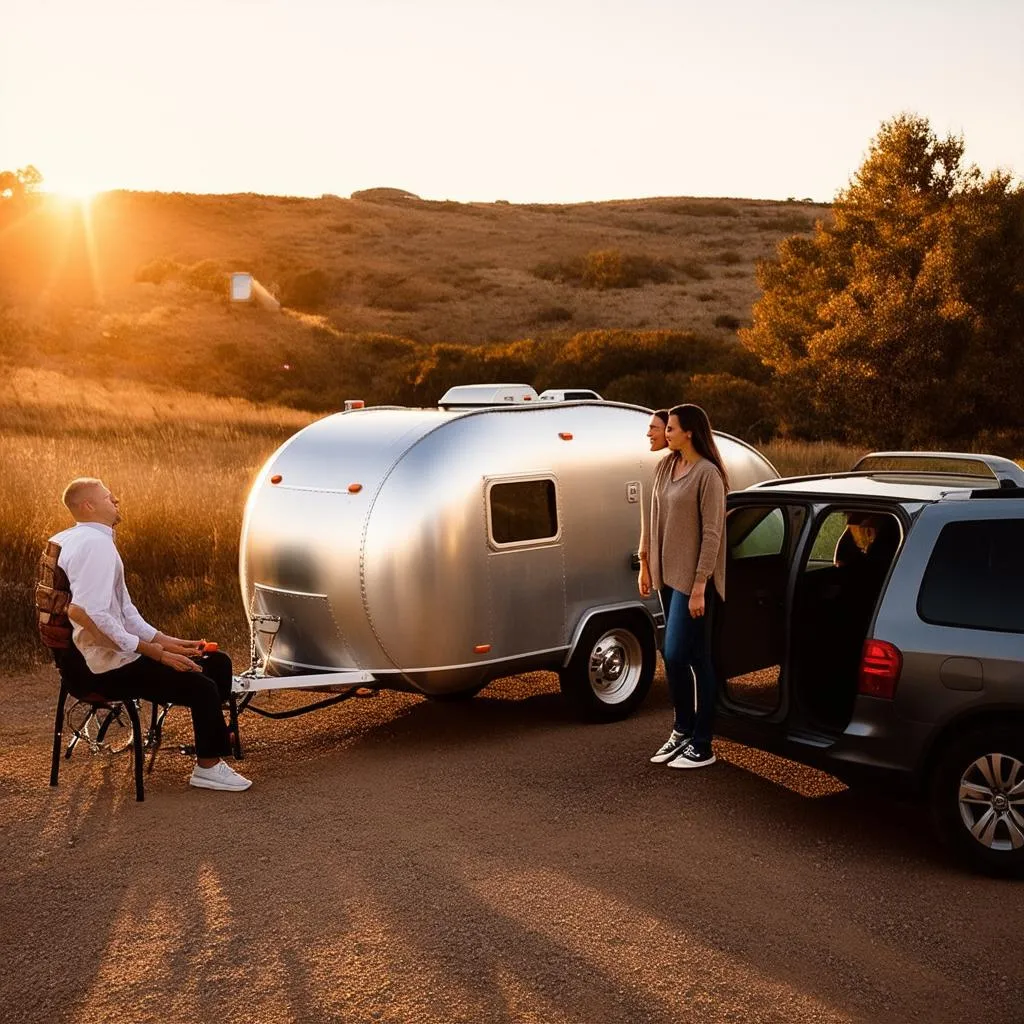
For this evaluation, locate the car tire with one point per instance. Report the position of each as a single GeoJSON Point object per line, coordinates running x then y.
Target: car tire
{"type": "Point", "coordinates": [611, 668]}
{"type": "Point", "coordinates": [977, 799]}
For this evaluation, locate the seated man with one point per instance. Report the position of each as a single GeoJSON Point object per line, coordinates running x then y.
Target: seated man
{"type": "Point", "coordinates": [117, 654]}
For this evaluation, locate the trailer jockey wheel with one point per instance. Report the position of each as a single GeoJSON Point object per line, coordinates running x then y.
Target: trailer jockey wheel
{"type": "Point", "coordinates": [611, 668]}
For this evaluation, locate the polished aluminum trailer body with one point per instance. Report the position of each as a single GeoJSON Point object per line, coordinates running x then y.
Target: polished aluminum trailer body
{"type": "Point", "coordinates": [371, 535]}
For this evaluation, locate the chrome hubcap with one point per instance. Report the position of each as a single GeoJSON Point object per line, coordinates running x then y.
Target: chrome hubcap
{"type": "Point", "coordinates": [992, 801]}
{"type": "Point", "coordinates": [614, 667]}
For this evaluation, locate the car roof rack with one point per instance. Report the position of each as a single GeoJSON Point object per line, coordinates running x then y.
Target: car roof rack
{"type": "Point", "coordinates": [999, 492]}
{"type": "Point", "coordinates": [968, 464]}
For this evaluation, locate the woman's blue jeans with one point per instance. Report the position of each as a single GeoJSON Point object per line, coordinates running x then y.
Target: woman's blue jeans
{"type": "Point", "coordinates": [686, 651]}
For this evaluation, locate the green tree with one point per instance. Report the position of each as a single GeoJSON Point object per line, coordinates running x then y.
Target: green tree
{"type": "Point", "coordinates": [901, 322]}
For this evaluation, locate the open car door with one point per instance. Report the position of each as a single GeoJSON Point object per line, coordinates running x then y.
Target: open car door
{"type": "Point", "coordinates": [750, 629]}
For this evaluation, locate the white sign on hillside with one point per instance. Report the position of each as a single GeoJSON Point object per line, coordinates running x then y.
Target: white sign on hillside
{"type": "Point", "coordinates": [241, 287]}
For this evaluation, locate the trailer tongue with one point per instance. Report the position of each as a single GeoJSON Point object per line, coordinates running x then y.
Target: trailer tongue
{"type": "Point", "coordinates": [341, 685]}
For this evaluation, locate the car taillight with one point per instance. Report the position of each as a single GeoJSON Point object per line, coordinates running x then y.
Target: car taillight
{"type": "Point", "coordinates": [880, 667]}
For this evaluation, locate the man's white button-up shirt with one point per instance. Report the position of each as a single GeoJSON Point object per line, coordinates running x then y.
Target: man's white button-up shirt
{"type": "Point", "coordinates": [96, 574]}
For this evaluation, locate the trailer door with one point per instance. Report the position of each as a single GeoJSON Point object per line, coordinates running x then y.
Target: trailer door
{"type": "Point", "coordinates": [525, 563]}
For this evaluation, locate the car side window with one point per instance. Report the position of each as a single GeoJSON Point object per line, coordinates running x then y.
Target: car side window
{"type": "Point", "coordinates": [973, 578]}
{"type": "Point", "coordinates": [825, 542]}
{"type": "Point", "coordinates": [756, 532]}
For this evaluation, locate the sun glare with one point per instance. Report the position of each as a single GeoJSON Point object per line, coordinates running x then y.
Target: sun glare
{"type": "Point", "coordinates": [83, 191]}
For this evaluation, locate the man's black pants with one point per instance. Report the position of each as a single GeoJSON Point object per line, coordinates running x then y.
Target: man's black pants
{"type": "Point", "coordinates": [202, 693]}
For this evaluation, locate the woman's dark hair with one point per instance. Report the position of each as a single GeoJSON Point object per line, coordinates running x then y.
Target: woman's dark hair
{"type": "Point", "coordinates": [662, 415]}
{"type": "Point", "coordinates": [695, 419]}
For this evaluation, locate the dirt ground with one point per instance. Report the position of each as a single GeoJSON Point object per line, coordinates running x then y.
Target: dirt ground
{"type": "Point", "coordinates": [399, 860]}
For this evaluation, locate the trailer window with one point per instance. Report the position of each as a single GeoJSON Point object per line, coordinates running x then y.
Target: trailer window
{"type": "Point", "coordinates": [523, 510]}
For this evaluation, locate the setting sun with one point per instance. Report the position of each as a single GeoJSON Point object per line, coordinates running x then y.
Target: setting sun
{"type": "Point", "coordinates": [71, 188]}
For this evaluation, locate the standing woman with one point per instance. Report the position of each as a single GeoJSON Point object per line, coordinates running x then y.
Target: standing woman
{"type": "Point", "coordinates": [656, 437]}
{"type": "Point", "coordinates": [687, 564]}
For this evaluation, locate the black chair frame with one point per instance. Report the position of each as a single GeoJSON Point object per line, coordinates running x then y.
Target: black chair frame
{"type": "Point", "coordinates": [151, 741]}
{"type": "Point", "coordinates": [97, 705]}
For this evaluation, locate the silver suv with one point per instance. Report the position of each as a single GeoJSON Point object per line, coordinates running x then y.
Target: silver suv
{"type": "Point", "coordinates": [875, 626]}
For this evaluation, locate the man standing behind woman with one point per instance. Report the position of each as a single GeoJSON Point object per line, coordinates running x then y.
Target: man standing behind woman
{"type": "Point", "coordinates": [682, 555]}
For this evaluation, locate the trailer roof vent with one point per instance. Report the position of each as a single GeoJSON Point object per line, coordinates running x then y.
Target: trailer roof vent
{"type": "Point", "coordinates": [478, 396]}
{"type": "Point", "coordinates": [569, 395]}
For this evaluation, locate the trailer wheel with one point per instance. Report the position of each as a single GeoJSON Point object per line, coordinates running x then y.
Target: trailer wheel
{"type": "Point", "coordinates": [611, 668]}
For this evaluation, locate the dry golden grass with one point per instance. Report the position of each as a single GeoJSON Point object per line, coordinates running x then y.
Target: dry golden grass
{"type": "Point", "coordinates": [802, 458]}
{"type": "Point", "coordinates": [181, 465]}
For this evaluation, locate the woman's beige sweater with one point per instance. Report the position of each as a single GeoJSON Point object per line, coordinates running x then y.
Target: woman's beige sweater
{"type": "Point", "coordinates": [686, 540]}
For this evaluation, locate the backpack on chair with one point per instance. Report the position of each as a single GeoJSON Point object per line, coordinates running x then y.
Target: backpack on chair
{"type": "Point", "coordinates": [53, 595]}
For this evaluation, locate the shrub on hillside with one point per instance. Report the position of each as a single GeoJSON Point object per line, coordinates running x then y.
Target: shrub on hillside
{"type": "Point", "coordinates": [552, 315]}
{"type": "Point", "coordinates": [207, 276]}
{"type": "Point", "coordinates": [159, 271]}
{"type": "Point", "coordinates": [385, 195]}
{"type": "Point", "coordinates": [734, 405]}
{"type": "Point", "coordinates": [594, 358]}
{"type": "Point", "coordinates": [701, 208]}
{"type": "Point", "coordinates": [607, 268]}
{"type": "Point", "coordinates": [652, 389]}
{"type": "Point", "coordinates": [305, 289]}
{"type": "Point", "coordinates": [728, 321]}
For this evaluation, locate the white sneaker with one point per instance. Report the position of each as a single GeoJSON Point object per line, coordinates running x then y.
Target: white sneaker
{"type": "Point", "coordinates": [220, 776]}
{"type": "Point", "coordinates": [670, 748]}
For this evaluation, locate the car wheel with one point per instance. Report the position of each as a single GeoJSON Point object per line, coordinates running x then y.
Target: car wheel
{"type": "Point", "coordinates": [977, 799]}
{"type": "Point", "coordinates": [611, 668]}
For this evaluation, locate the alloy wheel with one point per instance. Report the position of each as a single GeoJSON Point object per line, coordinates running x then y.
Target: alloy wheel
{"type": "Point", "coordinates": [991, 801]}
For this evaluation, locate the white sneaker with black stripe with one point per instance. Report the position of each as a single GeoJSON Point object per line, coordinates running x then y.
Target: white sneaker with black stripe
{"type": "Point", "coordinates": [691, 757]}
{"type": "Point", "coordinates": [674, 745]}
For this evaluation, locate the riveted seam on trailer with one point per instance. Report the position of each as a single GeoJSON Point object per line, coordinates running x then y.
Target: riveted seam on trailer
{"type": "Point", "coordinates": [366, 526]}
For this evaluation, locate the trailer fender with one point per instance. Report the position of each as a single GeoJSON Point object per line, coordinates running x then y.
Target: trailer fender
{"type": "Point", "coordinates": [610, 609]}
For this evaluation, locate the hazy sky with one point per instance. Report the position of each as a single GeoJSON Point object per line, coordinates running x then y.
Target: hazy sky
{"type": "Point", "coordinates": [551, 101]}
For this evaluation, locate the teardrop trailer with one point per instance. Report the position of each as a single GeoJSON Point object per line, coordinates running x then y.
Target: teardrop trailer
{"type": "Point", "coordinates": [435, 550]}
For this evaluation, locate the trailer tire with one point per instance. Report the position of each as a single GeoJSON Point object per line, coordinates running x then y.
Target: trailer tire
{"type": "Point", "coordinates": [611, 668]}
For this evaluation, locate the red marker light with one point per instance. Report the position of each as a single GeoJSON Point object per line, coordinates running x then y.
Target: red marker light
{"type": "Point", "coordinates": [481, 649]}
{"type": "Point", "coordinates": [566, 437]}
{"type": "Point", "coordinates": [276, 478]}
{"type": "Point", "coordinates": [354, 488]}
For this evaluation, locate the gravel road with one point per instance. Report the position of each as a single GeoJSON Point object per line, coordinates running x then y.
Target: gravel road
{"type": "Point", "coordinates": [399, 860]}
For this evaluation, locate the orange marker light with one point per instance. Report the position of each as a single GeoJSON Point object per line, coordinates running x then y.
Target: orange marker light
{"type": "Point", "coordinates": [565, 437]}
{"type": "Point", "coordinates": [481, 648]}
{"type": "Point", "coordinates": [276, 478]}
{"type": "Point", "coordinates": [354, 488]}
